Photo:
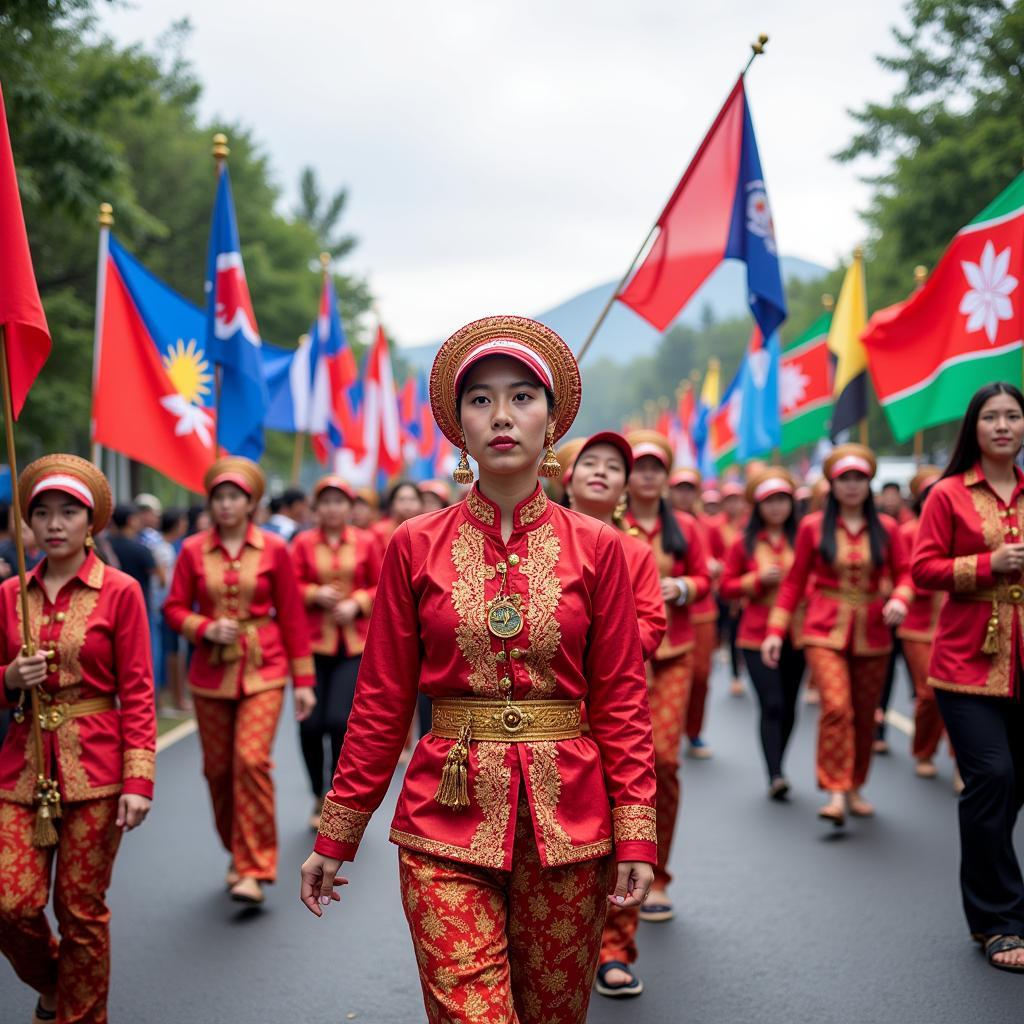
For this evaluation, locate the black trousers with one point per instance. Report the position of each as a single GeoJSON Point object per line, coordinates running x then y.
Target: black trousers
{"type": "Point", "coordinates": [987, 734]}
{"type": "Point", "coordinates": [335, 688]}
{"type": "Point", "coordinates": [890, 677]}
{"type": "Point", "coordinates": [728, 628]}
{"type": "Point", "coordinates": [777, 690]}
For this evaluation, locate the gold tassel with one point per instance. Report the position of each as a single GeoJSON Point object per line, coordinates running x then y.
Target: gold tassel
{"type": "Point", "coordinates": [991, 642]}
{"type": "Point", "coordinates": [462, 474]}
{"type": "Point", "coordinates": [453, 789]}
{"type": "Point", "coordinates": [43, 831]}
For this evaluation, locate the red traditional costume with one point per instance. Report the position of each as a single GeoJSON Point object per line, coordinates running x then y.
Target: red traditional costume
{"type": "Point", "coordinates": [672, 664]}
{"type": "Point", "coordinates": [239, 688]}
{"type": "Point", "coordinates": [505, 799]}
{"type": "Point", "coordinates": [99, 732]}
{"type": "Point", "coordinates": [846, 643]}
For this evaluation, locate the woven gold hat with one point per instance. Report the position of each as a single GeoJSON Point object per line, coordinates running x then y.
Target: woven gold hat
{"type": "Point", "coordinates": [516, 337]}
{"type": "Point", "coordinates": [923, 479]}
{"type": "Point", "coordinates": [651, 442]}
{"type": "Point", "coordinates": [337, 482]}
{"type": "Point", "coordinates": [72, 475]}
{"type": "Point", "coordinates": [770, 480]}
{"type": "Point", "coordinates": [237, 470]}
{"type": "Point", "coordinates": [844, 458]}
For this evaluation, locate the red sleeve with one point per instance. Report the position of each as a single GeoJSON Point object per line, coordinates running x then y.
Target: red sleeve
{"type": "Point", "coordinates": [383, 707]}
{"type": "Point", "coordinates": [899, 565]}
{"type": "Point", "coordinates": [619, 716]}
{"type": "Point", "coordinates": [794, 584]}
{"type": "Point", "coordinates": [305, 571]}
{"type": "Point", "coordinates": [696, 575]}
{"type": "Point", "coordinates": [134, 671]}
{"type": "Point", "coordinates": [736, 581]}
{"type": "Point", "coordinates": [716, 542]}
{"type": "Point", "coordinates": [373, 556]}
{"type": "Point", "coordinates": [182, 598]}
{"type": "Point", "coordinates": [934, 566]}
{"type": "Point", "coordinates": [650, 605]}
{"type": "Point", "coordinates": [291, 618]}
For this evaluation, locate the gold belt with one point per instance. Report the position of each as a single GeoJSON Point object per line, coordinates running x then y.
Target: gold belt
{"type": "Point", "coordinates": [52, 716]}
{"type": "Point", "coordinates": [523, 721]}
{"type": "Point", "coordinates": [851, 596]}
{"type": "Point", "coordinates": [1012, 593]}
{"type": "Point", "coordinates": [248, 628]}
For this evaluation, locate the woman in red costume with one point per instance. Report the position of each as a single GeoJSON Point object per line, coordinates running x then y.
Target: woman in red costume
{"type": "Point", "coordinates": [754, 568]}
{"type": "Point", "coordinates": [851, 567]}
{"type": "Point", "coordinates": [95, 684]}
{"type": "Point", "coordinates": [234, 596]}
{"type": "Point", "coordinates": [403, 502]}
{"type": "Point", "coordinates": [731, 522]}
{"type": "Point", "coordinates": [337, 567]}
{"type": "Point", "coordinates": [680, 555]}
{"type": "Point", "coordinates": [969, 545]}
{"type": "Point", "coordinates": [509, 611]}
{"type": "Point", "coordinates": [595, 474]}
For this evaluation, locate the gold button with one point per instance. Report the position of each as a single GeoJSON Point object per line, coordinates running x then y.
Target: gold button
{"type": "Point", "coordinates": [500, 656]}
{"type": "Point", "coordinates": [516, 653]}
{"type": "Point", "coordinates": [50, 653]}
{"type": "Point", "coordinates": [53, 666]}
{"type": "Point", "coordinates": [1014, 532]}
{"type": "Point", "coordinates": [233, 589]}
{"type": "Point", "coordinates": [46, 620]}
{"type": "Point", "coordinates": [505, 683]}
{"type": "Point", "coordinates": [60, 616]}
{"type": "Point", "coordinates": [502, 568]}
{"type": "Point", "coordinates": [236, 564]}
{"type": "Point", "coordinates": [513, 559]}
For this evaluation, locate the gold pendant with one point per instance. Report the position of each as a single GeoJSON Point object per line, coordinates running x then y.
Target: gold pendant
{"type": "Point", "coordinates": [504, 619]}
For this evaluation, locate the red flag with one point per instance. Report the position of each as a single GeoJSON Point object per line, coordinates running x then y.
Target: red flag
{"type": "Point", "coordinates": [21, 312]}
{"type": "Point", "coordinates": [382, 424]}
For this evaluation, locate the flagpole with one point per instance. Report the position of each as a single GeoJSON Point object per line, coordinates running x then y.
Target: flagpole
{"type": "Point", "coordinates": [757, 48]}
{"type": "Point", "coordinates": [105, 219]}
{"type": "Point", "coordinates": [920, 276]}
{"type": "Point", "coordinates": [219, 152]}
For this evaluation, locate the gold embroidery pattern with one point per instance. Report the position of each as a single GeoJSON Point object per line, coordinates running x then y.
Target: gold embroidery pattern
{"type": "Point", "coordinates": [635, 823]}
{"type": "Point", "coordinates": [778, 618]}
{"type": "Point", "coordinates": [545, 592]}
{"type": "Point", "coordinates": [987, 507]}
{"type": "Point", "coordinates": [325, 573]}
{"type": "Point", "coordinates": [72, 636]}
{"type": "Point", "coordinates": [25, 787]}
{"type": "Point", "coordinates": [546, 784]}
{"type": "Point", "coordinates": [140, 764]}
{"type": "Point", "coordinates": [75, 784]}
{"type": "Point", "coordinates": [342, 824]}
{"type": "Point", "coordinates": [469, 600]}
{"type": "Point", "coordinates": [965, 573]}
{"type": "Point", "coordinates": [533, 509]}
{"type": "Point", "coordinates": [302, 666]}
{"type": "Point", "coordinates": [479, 508]}
{"type": "Point", "coordinates": [190, 627]}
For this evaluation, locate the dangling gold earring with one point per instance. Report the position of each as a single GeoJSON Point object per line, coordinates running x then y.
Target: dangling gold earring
{"type": "Point", "coordinates": [550, 467]}
{"type": "Point", "coordinates": [89, 542]}
{"type": "Point", "coordinates": [462, 474]}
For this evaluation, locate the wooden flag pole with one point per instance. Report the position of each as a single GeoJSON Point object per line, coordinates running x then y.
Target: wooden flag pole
{"type": "Point", "coordinates": [105, 219]}
{"type": "Point", "coordinates": [47, 792]}
{"type": "Point", "coordinates": [219, 152]}
{"type": "Point", "coordinates": [757, 48]}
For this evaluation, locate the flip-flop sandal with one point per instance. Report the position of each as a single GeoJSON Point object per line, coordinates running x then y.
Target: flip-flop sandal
{"type": "Point", "coordinates": [625, 989]}
{"type": "Point", "coordinates": [837, 818]}
{"type": "Point", "coordinates": [996, 944]}
{"type": "Point", "coordinates": [656, 913]}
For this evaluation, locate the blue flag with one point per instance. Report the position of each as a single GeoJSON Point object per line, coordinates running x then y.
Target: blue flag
{"type": "Point", "coordinates": [232, 337]}
{"type": "Point", "coordinates": [760, 425]}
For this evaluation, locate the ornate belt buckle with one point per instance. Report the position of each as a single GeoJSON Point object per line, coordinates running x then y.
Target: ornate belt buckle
{"type": "Point", "coordinates": [52, 717]}
{"type": "Point", "coordinates": [1016, 593]}
{"type": "Point", "coordinates": [504, 618]}
{"type": "Point", "coordinates": [513, 719]}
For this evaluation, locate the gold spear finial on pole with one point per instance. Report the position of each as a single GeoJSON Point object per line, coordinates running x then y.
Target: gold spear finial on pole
{"type": "Point", "coordinates": [325, 261]}
{"type": "Point", "coordinates": [220, 149]}
{"type": "Point", "coordinates": [858, 253]}
{"type": "Point", "coordinates": [757, 48]}
{"type": "Point", "coordinates": [920, 274]}
{"type": "Point", "coordinates": [105, 218]}
{"type": "Point", "coordinates": [828, 301]}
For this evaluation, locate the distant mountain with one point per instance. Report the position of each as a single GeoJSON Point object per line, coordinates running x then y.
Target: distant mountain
{"type": "Point", "coordinates": [624, 336]}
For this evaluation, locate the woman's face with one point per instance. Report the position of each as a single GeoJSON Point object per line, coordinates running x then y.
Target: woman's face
{"type": "Point", "coordinates": [59, 524]}
{"type": "Point", "coordinates": [333, 509]}
{"type": "Point", "coordinates": [598, 478]}
{"type": "Point", "coordinates": [504, 413]}
{"type": "Point", "coordinates": [776, 509]}
{"type": "Point", "coordinates": [648, 479]}
{"type": "Point", "coordinates": [1000, 427]}
{"type": "Point", "coordinates": [406, 502]}
{"type": "Point", "coordinates": [851, 489]}
{"type": "Point", "coordinates": [431, 501]}
{"type": "Point", "coordinates": [230, 506]}
{"type": "Point", "coordinates": [363, 514]}
{"type": "Point", "coordinates": [683, 497]}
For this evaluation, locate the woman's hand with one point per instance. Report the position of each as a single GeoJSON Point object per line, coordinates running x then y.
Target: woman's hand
{"type": "Point", "coordinates": [223, 631]}
{"type": "Point", "coordinates": [305, 700]}
{"type": "Point", "coordinates": [770, 575]}
{"type": "Point", "coordinates": [131, 811]}
{"type": "Point", "coordinates": [327, 596]}
{"type": "Point", "coordinates": [345, 612]}
{"type": "Point", "coordinates": [671, 591]}
{"type": "Point", "coordinates": [894, 612]}
{"type": "Point", "coordinates": [771, 650]}
{"type": "Point", "coordinates": [26, 671]}
{"type": "Point", "coordinates": [1008, 558]}
{"type": "Point", "coordinates": [632, 883]}
{"type": "Point", "coordinates": [319, 879]}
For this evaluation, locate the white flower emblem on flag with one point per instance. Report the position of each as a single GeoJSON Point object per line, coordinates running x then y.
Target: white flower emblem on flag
{"type": "Point", "coordinates": [759, 214]}
{"type": "Point", "coordinates": [987, 302]}
{"type": "Point", "coordinates": [192, 419]}
{"type": "Point", "coordinates": [732, 411]}
{"type": "Point", "coordinates": [792, 385]}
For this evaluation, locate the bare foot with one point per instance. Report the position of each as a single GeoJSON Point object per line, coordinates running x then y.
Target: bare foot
{"type": "Point", "coordinates": [617, 976]}
{"type": "Point", "coordinates": [860, 807]}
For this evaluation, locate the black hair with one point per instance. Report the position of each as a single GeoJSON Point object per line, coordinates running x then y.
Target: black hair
{"type": "Point", "coordinates": [673, 540]}
{"type": "Point", "coordinates": [275, 503]}
{"type": "Point", "coordinates": [891, 483]}
{"type": "Point", "coordinates": [5, 517]}
{"type": "Point", "coordinates": [170, 519]}
{"type": "Point", "coordinates": [34, 504]}
{"type": "Point", "coordinates": [122, 513]}
{"type": "Point", "coordinates": [877, 537]}
{"type": "Point", "coordinates": [967, 451]}
{"type": "Point", "coordinates": [919, 500]}
{"type": "Point", "coordinates": [291, 495]}
{"type": "Point", "coordinates": [755, 524]}
{"type": "Point", "coordinates": [396, 487]}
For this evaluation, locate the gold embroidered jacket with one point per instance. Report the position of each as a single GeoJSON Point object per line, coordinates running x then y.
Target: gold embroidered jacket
{"type": "Point", "coordinates": [579, 641]}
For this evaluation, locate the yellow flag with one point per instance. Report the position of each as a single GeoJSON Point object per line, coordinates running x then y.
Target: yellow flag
{"type": "Point", "coordinates": [711, 389]}
{"type": "Point", "coordinates": [848, 323]}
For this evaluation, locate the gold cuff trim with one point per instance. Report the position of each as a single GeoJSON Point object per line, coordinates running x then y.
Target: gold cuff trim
{"type": "Point", "coordinates": [965, 573]}
{"type": "Point", "coordinates": [140, 764]}
{"type": "Point", "coordinates": [302, 666]}
{"type": "Point", "coordinates": [779, 618]}
{"type": "Point", "coordinates": [190, 627]}
{"type": "Point", "coordinates": [365, 602]}
{"type": "Point", "coordinates": [904, 594]}
{"type": "Point", "coordinates": [635, 823]}
{"type": "Point", "coordinates": [341, 823]}
{"type": "Point", "coordinates": [748, 584]}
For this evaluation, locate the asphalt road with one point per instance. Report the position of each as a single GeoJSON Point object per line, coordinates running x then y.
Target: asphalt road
{"type": "Point", "coordinates": [781, 920]}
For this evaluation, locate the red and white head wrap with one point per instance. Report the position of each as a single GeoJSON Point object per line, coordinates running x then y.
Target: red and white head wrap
{"type": "Point", "coordinates": [850, 458]}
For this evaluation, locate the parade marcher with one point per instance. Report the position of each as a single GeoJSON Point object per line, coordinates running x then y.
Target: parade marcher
{"type": "Point", "coordinates": [366, 510]}
{"type": "Point", "coordinates": [435, 495]}
{"type": "Point", "coordinates": [234, 596]}
{"type": "Point", "coordinates": [969, 545]}
{"type": "Point", "coordinates": [403, 502]}
{"type": "Point", "coordinates": [917, 634]}
{"type": "Point", "coordinates": [683, 488]}
{"type": "Point", "coordinates": [337, 567]}
{"type": "Point", "coordinates": [509, 611]}
{"type": "Point", "coordinates": [754, 568]}
{"type": "Point", "coordinates": [98, 718]}
{"type": "Point", "coordinates": [682, 565]}
{"type": "Point", "coordinates": [595, 472]}
{"type": "Point", "coordinates": [731, 522]}
{"type": "Point", "coordinates": [848, 560]}
{"type": "Point", "coordinates": [289, 513]}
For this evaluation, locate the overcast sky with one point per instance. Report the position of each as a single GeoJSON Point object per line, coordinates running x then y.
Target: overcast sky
{"type": "Point", "coordinates": [502, 157]}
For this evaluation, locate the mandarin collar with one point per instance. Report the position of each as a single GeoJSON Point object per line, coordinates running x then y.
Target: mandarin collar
{"type": "Point", "coordinates": [344, 538]}
{"type": "Point", "coordinates": [528, 514]}
{"type": "Point", "coordinates": [976, 475]}
{"type": "Point", "coordinates": [90, 573]}
{"type": "Point", "coordinates": [253, 538]}
{"type": "Point", "coordinates": [635, 524]}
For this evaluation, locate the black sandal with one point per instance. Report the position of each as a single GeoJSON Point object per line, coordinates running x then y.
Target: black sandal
{"type": "Point", "coordinates": [42, 1015]}
{"type": "Point", "coordinates": [996, 944]}
{"type": "Point", "coordinates": [623, 990]}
